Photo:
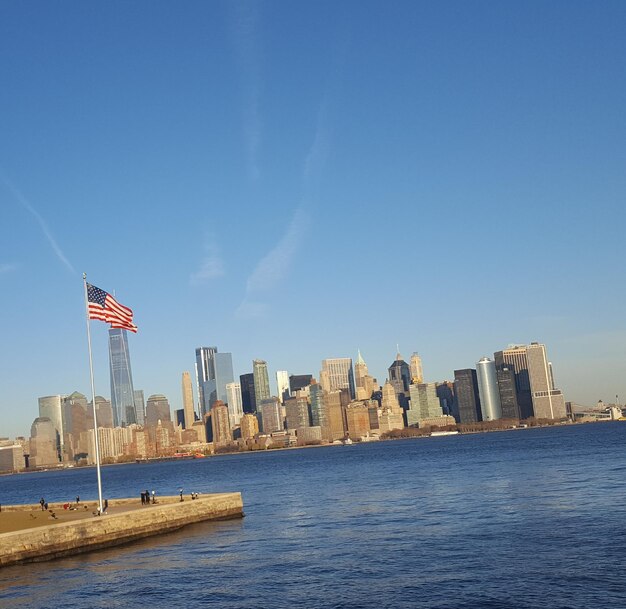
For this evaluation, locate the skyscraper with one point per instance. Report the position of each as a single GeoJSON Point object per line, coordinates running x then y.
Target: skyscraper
{"type": "Point", "coordinates": [223, 375]}
{"type": "Point", "coordinates": [234, 403]}
{"type": "Point", "coordinates": [466, 395]}
{"type": "Point", "coordinates": [400, 375]}
{"type": "Point", "coordinates": [122, 391]}
{"type": "Point", "coordinates": [337, 374]}
{"type": "Point", "coordinates": [140, 406]}
{"type": "Point", "coordinates": [220, 423]}
{"type": "Point", "coordinates": [515, 358]}
{"type": "Point", "coordinates": [534, 382]}
{"type": "Point", "coordinates": [365, 384]}
{"type": "Point", "coordinates": [50, 407]}
{"type": "Point", "coordinates": [248, 400]}
{"type": "Point", "coordinates": [261, 381]}
{"type": "Point", "coordinates": [205, 371]}
{"type": "Point", "coordinates": [490, 405]}
{"type": "Point", "coordinates": [282, 384]}
{"type": "Point", "coordinates": [188, 411]}
{"type": "Point", "coordinates": [548, 402]}
{"type": "Point", "coordinates": [271, 415]}
{"type": "Point", "coordinates": [319, 414]}
{"type": "Point", "coordinates": [508, 394]}
{"type": "Point", "coordinates": [299, 381]}
{"type": "Point", "coordinates": [417, 374]}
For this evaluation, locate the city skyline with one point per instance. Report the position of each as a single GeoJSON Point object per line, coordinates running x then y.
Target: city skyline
{"type": "Point", "coordinates": [209, 183]}
{"type": "Point", "coordinates": [527, 372]}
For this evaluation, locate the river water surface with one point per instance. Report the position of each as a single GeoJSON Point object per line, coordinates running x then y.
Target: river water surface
{"type": "Point", "coordinates": [531, 518]}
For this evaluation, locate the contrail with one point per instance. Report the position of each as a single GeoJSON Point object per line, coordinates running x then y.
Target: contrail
{"type": "Point", "coordinates": [42, 223]}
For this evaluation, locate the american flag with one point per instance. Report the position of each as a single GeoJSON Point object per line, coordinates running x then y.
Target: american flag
{"type": "Point", "coordinates": [102, 306]}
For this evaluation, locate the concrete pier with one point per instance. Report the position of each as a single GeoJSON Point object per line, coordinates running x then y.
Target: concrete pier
{"type": "Point", "coordinates": [65, 532]}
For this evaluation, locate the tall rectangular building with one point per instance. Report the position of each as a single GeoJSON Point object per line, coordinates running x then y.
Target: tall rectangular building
{"type": "Point", "coordinates": [336, 374]}
{"type": "Point", "coordinates": [282, 385]}
{"type": "Point", "coordinates": [205, 371]}
{"type": "Point", "coordinates": [188, 411]}
{"type": "Point", "coordinates": [248, 399]}
{"type": "Point", "coordinates": [534, 383]}
{"type": "Point", "coordinates": [261, 381]}
{"type": "Point", "coordinates": [548, 402]}
{"type": "Point", "coordinates": [122, 391]}
{"type": "Point", "coordinates": [508, 394]}
{"type": "Point", "coordinates": [234, 403]}
{"type": "Point", "coordinates": [466, 395]}
{"type": "Point", "coordinates": [515, 358]}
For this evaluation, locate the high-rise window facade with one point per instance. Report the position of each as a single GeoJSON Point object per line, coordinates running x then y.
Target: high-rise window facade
{"type": "Point", "coordinates": [122, 391]}
{"type": "Point", "coordinates": [261, 381]}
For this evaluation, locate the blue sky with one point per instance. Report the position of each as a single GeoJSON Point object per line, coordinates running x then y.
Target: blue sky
{"type": "Point", "coordinates": [294, 181]}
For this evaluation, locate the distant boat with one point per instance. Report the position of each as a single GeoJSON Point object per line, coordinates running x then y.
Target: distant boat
{"type": "Point", "coordinates": [444, 433]}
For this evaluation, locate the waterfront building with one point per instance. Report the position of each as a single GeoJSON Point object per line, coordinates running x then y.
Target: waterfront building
{"type": "Point", "coordinates": [43, 443]}
{"type": "Point", "coordinates": [515, 358]}
{"type": "Point", "coordinates": [365, 384]}
{"type": "Point", "coordinates": [337, 373]}
{"type": "Point", "coordinates": [548, 402]}
{"type": "Point", "coordinates": [319, 416]}
{"type": "Point", "coordinates": [122, 390]}
{"type": "Point", "coordinates": [220, 423]}
{"type": "Point", "coordinates": [358, 419]}
{"type": "Point", "coordinates": [425, 403]}
{"type": "Point", "coordinates": [104, 413]}
{"type": "Point", "coordinates": [445, 393]}
{"type": "Point", "coordinates": [234, 402]}
{"type": "Point", "coordinates": [534, 381]}
{"type": "Point", "coordinates": [51, 407]}
{"type": "Point", "coordinates": [282, 383]}
{"type": "Point", "coordinates": [467, 396]}
{"type": "Point", "coordinates": [261, 381]}
{"type": "Point", "coordinates": [309, 435]}
{"type": "Point", "coordinates": [299, 381]}
{"type": "Point", "coordinates": [74, 416]}
{"type": "Point", "coordinates": [271, 415]}
{"type": "Point", "coordinates": [205, 371]}
{"type": "Point", "coordinates": [189, 416]}
{"type": "Point", "coordinates": [157, 409]}
{"type": "Point", "coordinates": [11, 458]}
{"type": "Point", "coordinates": [248, 399]}
{"type": "Point", "coordinates": [215, 388]}
{"type": "Point", "coordinates": [390, 415]}
{"type": "Point", "coordinates": [297, 412]}
{"type": "Point", "coordinates": [200, 429]}
{"type": "Point", "coordinates": [415, 365]}
{"type": "Point", "coordinates": [400, 375]}
{"type": "Point", "coordinates": [140, 406]}
{"type": "Point", "coordinates": [179, 419]}
{"type": "Point", "coordinates": [335, 413]}
{"type": "Point", "coordinates": [400, 378]}
{"type": "Point", "coordinates": [249, 426]}
{"type": "Point", "coordinates": [508, 394]}
{"type": "Point", "coordinates": [491, 408]}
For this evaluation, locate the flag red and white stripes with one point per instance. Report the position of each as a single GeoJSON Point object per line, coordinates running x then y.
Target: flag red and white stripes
{"type": "Point", "coordinates": [101, 305]}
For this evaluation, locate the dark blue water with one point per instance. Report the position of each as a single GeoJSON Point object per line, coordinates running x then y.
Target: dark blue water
{"type": "Point", "coordinates": [529, 519]}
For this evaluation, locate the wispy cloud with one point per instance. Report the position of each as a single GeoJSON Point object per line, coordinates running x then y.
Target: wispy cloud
{"type": "Point", "coordinates": [246, 19]}
{"type": "Point", "coordinates": [273, 269]}
{"type": "Point", "coordinates": [211, 267]}
{"type": "Point", "coordinates": [23, 201]}
{"type": "Point", "coordinates": [7, 268]}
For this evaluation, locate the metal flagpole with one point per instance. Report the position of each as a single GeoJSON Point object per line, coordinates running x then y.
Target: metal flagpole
{"type": "Point", "coordinates": [93, 401]}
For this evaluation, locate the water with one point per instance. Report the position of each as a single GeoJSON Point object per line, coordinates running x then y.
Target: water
{"type": "Point", "coordinates": [526, 519]}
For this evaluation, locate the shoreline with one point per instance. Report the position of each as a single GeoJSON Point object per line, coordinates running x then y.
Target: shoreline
{"type": "Point", "coordinates": [265, 450]}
